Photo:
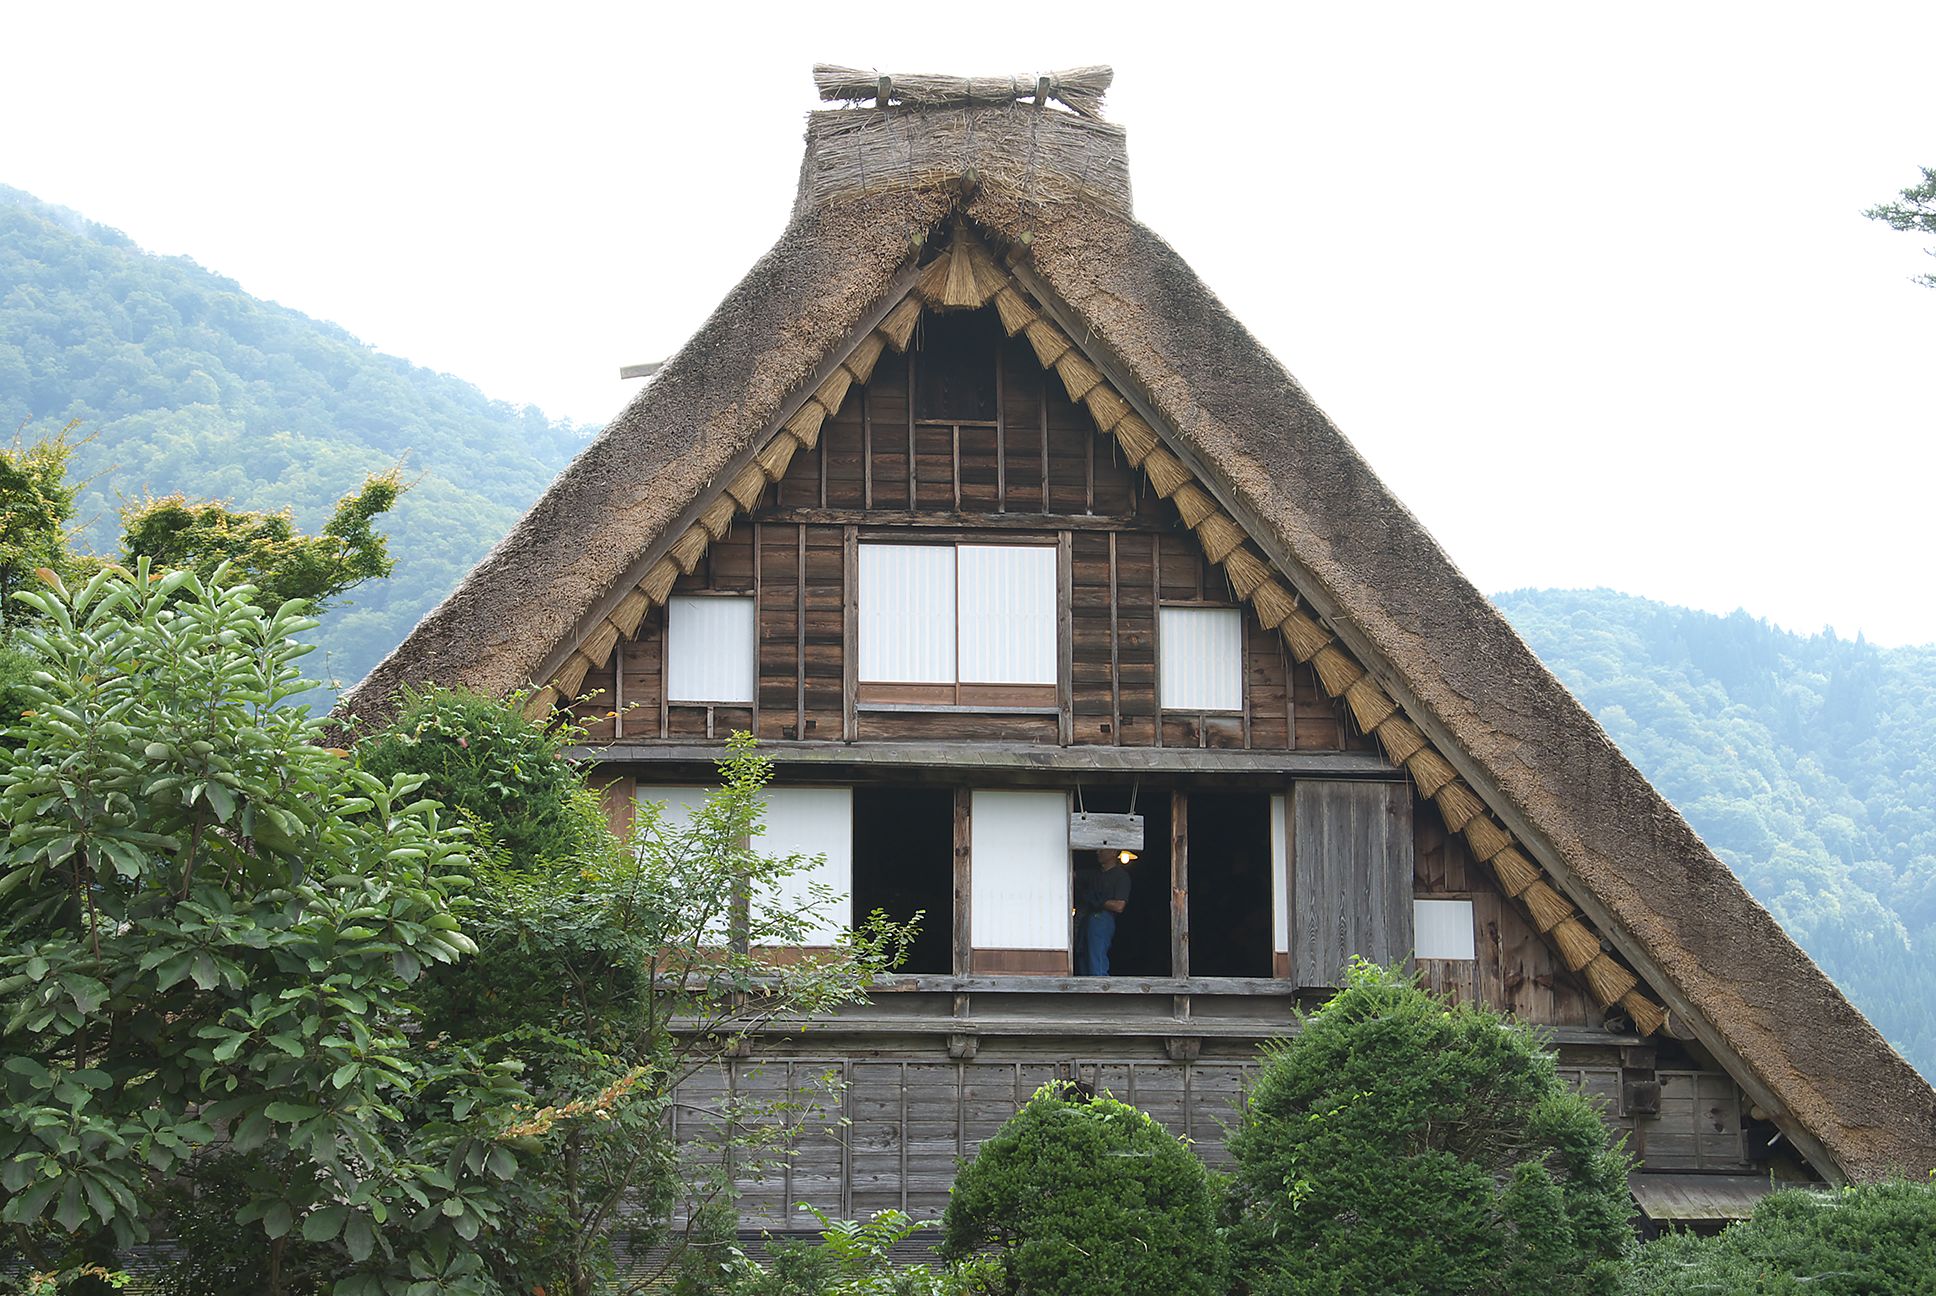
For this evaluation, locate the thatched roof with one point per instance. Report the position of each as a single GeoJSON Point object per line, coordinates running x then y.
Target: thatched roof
{"type": "Point", "coordinates": [1396, 602]}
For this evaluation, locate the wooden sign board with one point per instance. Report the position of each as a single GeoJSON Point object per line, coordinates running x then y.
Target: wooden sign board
{"type": "Point", "coordinates": [1105, 831]}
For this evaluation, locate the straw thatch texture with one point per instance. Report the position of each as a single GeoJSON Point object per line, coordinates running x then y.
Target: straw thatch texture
{"type": "Point", "coordinates": [1080, 89]}
{"type": "Point", "coordinates": [1400, 738]}
{"type": "Point", "coordinates": [1547, 906]}
{"type": "Point", "coordinates": [1245, 571]}
{"type": "Point", "coordinates": [1273, 604]}
{"type": "Point", "coordinates": [1014, 310]}
{"type": "Point", "coordinates": [1219, 536]}
{"type": "Point", "coordinates": [1014, 154]}
{"type": "Point", "coordinates": [1485, 838]}
{"type": "Point", "coordinates": [1608, 981]}
{"type": "Point", "coordinates": [1370, 705]}
{"type": "Point", "coordinates": [1335, 670]}
{"type": "Point", "coordinates": [1646, 1015]}
{"type": "Point", "coordinates": [1305, 637]}
{"type": "Point", "coordinates": [1514, 870]}
{"type": "Point", "coordinates": [630, 611]}
{"type": "Point", "coordinates": [1577, 946]}
{"type": "Point", "coordinates": [1137, 439]}
{"type": "Point", "coordinates": [1459, 805]}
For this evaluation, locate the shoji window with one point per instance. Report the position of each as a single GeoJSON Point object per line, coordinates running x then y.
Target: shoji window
{"type": "Point", "coordinates": [710, 649]}
{"type": "Point", "coordinates": [1006, 625]}
{"type": "Point", "coordinates": [907, 614]}
{"type": "Point", "coordinates": [1202, 653]}
{"type": "Point", "coordinates": [1019, 881]}
{"type": "Point", "coordinates": [1442, 929]}
{"type": "Point", "coordinates": [971, 625]}
{"type": "Point", "coordinates": [812, 821]}
{"type": "Point", "coordinates": [799, 821]}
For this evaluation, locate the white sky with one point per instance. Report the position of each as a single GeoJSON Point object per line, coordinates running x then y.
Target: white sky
{"type": "Point", "coordinates": [1588, 286]}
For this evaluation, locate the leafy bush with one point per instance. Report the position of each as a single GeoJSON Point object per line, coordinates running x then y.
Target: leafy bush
{"type": "Point", "coordinates": [1398, 1144]}
{"type": "Point", "coordinates": [1088, 1197]}
{"type": "Point", "coordinates": [852, 1258]}
{"type": "Point", "coordinates": [210, 931]}
{"type": "Point", "coordinates": [1878, 1238]}
{"type": "Point", "coordinates": [477, 755]}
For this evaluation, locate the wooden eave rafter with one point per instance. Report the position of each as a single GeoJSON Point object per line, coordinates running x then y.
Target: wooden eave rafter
{"type": "Point", "coordinates": [966, 276]}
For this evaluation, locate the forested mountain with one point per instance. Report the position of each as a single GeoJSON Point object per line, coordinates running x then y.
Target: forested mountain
{"type": "Point", "coordinates": [1807, 762]}
{"type": "Point", "coordinates": [178, 380]}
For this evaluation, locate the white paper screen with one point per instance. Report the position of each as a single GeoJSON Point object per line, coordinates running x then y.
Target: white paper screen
{"type": "Point", "coordinates": [907, 614]}
{"type": "Point", "coordinates": [1280, 876]}
{"type": "Point", "coordinates": [1008, 605]}
{"type": "Point", "coordinates": [709, 649]}
{"type": "Point", "coordinates": [1203, 658]}
{"type": "Point", "coordinates": [813, 821]}
{"type": "Point", "coordinates": [1442, 929]}
{"type": "Point", "coordinates": [1019, 869]}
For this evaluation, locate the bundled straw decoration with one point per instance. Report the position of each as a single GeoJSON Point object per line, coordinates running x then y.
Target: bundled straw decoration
{"type": "Point", "coordinates": [748, 486]}
{"type": "Point", "coordinates": [572, 674]}
{"type": "Point", "coordinates": [1078, 375]}
{"type": "Point", "coordinates": [1459, 805]}
{"type": "Point", "coordinates": [773, 460]}
{"type": "Point", "coordinates": [1194, 505]}
{"type": "Point", "coordinates": [1049, 342]}
{"type": "Point", "coordinates": [833, 392]}
{"type": "Point", "coordinates": [1485, 838]}
{"type": "Point", "coordinates": [898, 327]}
{"type": "Point", "coordinates": [1137, 439]}
{"type": "Point", "coordinates": [1303, 636]}
{"type": "Point", "coordinates": [659, 579]}
{"type": "Point", "coordinates": [1369, 704]}
{"type": "Point", "coordinates": [1400, 739]}
{"type": "Point", "coordinates": [1219, 536]}
{"type": "Point", "coordinates": [1577, 945]}
{"type": "Point", "coordinates": [1273, 603]}
{"type": "Point", "coordinates": [537, 707]}
{"type": "Point", "coordinates": [629, 612]}
{"type": "Point", "coordinates": [1013, 308]}
{"type": "Point", "coordinates": [1106, 407]}
{"type": "Point", "coordinates": [1166, 472]}
{"type": "Point", "coordinates": [717, 517]}
{"type": "Point", "coordinates": [1336, 671]}
{"type": "Point", "coordinates": [1609, 981]}
{"type": "Point", "coordinates": [1547, 906]}
{"type": "Point", "coordinates": [1647, 1016]}
{"type": "Point", "coordinates": [687, 550]}
{"type": "Point", "coordinates": [1430, 771]}
{"type": "Point", "coordinates": [1080, 90]}
{"type": "Point", "coordinates": [1245, 571]}
{"type": "Point", "coordinates": [1515, 871]}
{"type": "Point", "coordinates": [861, 363]}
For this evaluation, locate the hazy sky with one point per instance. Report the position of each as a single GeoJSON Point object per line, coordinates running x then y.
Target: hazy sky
{"type": "Point", "coordinates": [1589, 286]}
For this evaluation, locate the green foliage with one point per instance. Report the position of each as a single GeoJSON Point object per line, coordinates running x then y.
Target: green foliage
{"type": "Point", "coordinates": [587, 958]}
{"type": "Point", "coordinates": [187, 383]}
{"type": "Point", "coordinates": [1089, 1197]}
{"type": "Point", "coordinates": [210, 927]}
{"type": "Point", "coordinates": [480, 756]}
{"type": "Point", "coordinates": [1807, 762]}
{"type": "Point", "coordinates": [1398, 1144]}
{"type": "Point", "coordinates": [265, 549]}
{"type": "Point", "coordinates": [36, 506]}
{"type": "Point", "coordinates": [1916, 213]}
{"type": "Point", "coordinates": [1861, 1241]}
{"type": "Point", "coordinates": [852, 1258]}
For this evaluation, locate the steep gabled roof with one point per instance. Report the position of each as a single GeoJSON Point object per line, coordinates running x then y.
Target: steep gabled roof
{"type": "Point", "coordinates": [1512, 757]}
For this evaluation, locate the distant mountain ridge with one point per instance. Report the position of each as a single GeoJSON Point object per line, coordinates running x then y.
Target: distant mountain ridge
{"type": "Point", "coordinates": [1808, 762]}
{"type": "Point", "coordinates": [181, 381]}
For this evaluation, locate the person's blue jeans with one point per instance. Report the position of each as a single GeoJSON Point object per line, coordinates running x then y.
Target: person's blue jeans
{"type": "Point", "coordinates": [1098, 930]}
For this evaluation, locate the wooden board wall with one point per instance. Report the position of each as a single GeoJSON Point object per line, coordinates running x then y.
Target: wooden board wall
{"type": "Point", "coordinates": [1038, 472]}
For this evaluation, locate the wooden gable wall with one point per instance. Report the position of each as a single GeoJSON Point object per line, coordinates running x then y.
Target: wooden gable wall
{"type": "Point", "coordinates": [1037, 470]}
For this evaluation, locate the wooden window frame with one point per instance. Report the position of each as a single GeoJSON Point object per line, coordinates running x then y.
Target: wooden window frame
{"type": "Point", "coordinates": [962, 695]}
{"type": "Point", "coordinates": [1243, 658]}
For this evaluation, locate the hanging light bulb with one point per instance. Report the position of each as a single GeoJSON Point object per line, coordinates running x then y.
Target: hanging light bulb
{"type": "Point", "coordinates": [1125, 857]}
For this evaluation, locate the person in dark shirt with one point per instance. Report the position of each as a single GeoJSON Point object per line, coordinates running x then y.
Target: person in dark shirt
{"type": "Point", "coordinates": [1101, 894]}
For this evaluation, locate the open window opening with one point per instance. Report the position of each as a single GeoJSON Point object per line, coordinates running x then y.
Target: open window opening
{"type": "Point", "coordinates": [904, 863]}
{"type": "Point", "coordinates": [1230, 884]}
{"type": "Point", "coordinates": [955, 366]}
{"type": "Point", "coordinates": [1142, 944]}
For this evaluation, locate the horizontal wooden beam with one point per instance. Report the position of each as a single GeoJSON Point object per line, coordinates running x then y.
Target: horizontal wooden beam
{"type": "Point", "coordinates": [970, 758]}
{"type": "Point", "coordinates": [889, 518]}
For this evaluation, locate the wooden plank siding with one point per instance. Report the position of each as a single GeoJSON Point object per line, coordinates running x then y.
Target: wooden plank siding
{"type": "Point", "coordinates": [1037, 472]}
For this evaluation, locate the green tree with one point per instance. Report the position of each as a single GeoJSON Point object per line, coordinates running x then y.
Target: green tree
{"type": "Point", "coordinates": [266, 549]}
{"type": "Point", "coordinates": [612, 969]}
{"type": "Point", "coordinates": [1401, 1144]}
{"type": "Point", "coordinates": [36, 509]}
{"type": "Point", "coordinates": [1915, 213]}
{"type": "Point", "coordinates": [1873, 1238]}
{"type": "Point", "coordinates": [1088, 1197]}
{"type": "Point", "coordinates": [211, 927]}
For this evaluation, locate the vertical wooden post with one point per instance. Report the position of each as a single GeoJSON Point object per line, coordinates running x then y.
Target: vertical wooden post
{"type": "Point", "coordinates": [1115, 666]}
{"type": "Point", "coordinates": [963, 883]}
{"type": "Point", "coordinates": [1179, 884]}
{"type": "Point", "coordinates": [866, 455]}
{"type": "Point", "coordinates": [1001, 431]}
{"type": "Point", "coordinates": [849, 630]}
{"type": "Point", "coordinates": [1065, 638]}
{"type": "Point", "coordinates": [913, 480]}
{"type": "Point", "coordinates": [759, 629]}
{"type": "Point", "coordinates": [800, 637]}
{"type": "Point", "coordinates": [1156, 631]}
{"type": "Point", "coordinates": [618, 689]}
